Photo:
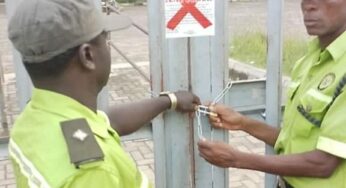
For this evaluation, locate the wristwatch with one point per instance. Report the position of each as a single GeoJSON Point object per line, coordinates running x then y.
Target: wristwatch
{"type": "Point", "coordinates": [172, 98]}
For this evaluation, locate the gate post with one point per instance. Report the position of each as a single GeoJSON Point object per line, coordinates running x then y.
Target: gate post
{"type": "Point", "coordinates": [201, 66]}
{"type": "Point", "coordinates": [23, 82]}
{"type": "Point", "coordinates": [273, 84]}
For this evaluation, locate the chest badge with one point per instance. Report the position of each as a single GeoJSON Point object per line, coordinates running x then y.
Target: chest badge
{"type": "Point", "coordinates": [326, 81]}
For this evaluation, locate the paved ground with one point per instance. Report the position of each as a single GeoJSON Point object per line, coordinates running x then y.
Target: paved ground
{"type": "Point", "coordinates": [127, 85]}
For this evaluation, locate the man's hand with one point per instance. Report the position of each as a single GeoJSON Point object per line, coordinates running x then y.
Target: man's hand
{"type": "Point", "coordinates": [226, 118]}
{"type": "Point", "coordinates": [187, 101]}
{"type": "Point", "coordinates": [218, 153]}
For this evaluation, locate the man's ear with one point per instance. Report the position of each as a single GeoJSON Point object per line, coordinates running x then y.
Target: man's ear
{"type": "Point", "coordinates": [87, 56]}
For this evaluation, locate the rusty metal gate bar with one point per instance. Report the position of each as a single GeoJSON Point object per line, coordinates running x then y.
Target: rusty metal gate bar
{"type": "Point", "coordinates": [112, 8]}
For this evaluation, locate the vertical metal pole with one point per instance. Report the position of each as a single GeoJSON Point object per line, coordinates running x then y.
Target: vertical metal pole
{"type": "Point", "coordinates": [273, 91]}
{"type": "Point", "coordinates": [102, 98]}
{"type": "Point", "coordinates": [23, 82]}
{"type": "Point", "coordinates": [195, 64]}
{"type": "Point", "coordinates": [209, 69]}
{"type": "Point", "coordinates": [156, 45]}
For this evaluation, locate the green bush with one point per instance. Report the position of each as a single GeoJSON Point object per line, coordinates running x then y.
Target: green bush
{"type": "Point", "coordinates": [251, 48]}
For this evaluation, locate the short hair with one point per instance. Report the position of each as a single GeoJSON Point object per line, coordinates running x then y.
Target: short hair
{"type": "Point", "coordinates": [57, 65]}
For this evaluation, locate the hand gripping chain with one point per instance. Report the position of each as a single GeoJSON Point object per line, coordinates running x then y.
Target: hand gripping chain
{"type": "Point", "coordinates": [206, 111]}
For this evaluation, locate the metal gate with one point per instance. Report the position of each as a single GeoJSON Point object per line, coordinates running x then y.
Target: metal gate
{"type": "Point", "coordinates": [194, 171]}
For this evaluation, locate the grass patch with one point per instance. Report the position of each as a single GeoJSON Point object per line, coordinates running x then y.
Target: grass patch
{"type": "Point", "coordinates": [251, 48]}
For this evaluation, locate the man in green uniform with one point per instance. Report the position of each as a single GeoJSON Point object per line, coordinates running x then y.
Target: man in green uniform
{"type": "Point", "coordinates": [61, 139]}
{"type": "Point", "coordinates": [312, 142]}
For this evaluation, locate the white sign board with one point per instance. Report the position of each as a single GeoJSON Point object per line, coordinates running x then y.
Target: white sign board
{"type": "Point", "coordinates": [189, 18]}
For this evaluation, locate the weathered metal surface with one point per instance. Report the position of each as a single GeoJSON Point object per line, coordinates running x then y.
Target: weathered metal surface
{"type": "Point", "coordinates": [274, 60]}
{"type": "Point", "coordinates": [209, 76]}
{"type": "Point", "coordinates": [23, 84]}
{"type": "Point", "coordinates": [195, 64]}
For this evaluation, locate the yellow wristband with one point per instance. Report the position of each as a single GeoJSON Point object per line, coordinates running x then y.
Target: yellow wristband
{"type": "Point", "coordinates": [172, 98]}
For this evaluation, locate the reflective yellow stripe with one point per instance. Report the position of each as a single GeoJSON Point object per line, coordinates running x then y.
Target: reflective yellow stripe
{"type": "Point", "coordinates": [332, 146]}
{"type": "Point", "coordinates": [145, 181]}
{"type": "Point", "coordinates": [35, 179]}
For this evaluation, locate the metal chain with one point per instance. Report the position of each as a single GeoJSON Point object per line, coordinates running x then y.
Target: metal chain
{"type": "Point", "coordinates": [199, 125]}
{"type": "Point", "coordinates": [223, 92]}
{"type": "Point", "coordinates": [201, 109]}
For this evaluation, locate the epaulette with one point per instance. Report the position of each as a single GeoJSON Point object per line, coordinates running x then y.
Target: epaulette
{"type": "Point", "coordinates": [82, 145]}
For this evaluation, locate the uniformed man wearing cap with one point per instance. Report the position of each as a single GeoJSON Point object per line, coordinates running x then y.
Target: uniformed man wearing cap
{"type": "Point", "coordinates": [61, 139]}
{"type": "Point", "coordinates": [312, 142]}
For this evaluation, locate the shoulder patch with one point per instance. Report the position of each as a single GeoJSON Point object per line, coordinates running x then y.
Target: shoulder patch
{"type": "Point", "coordinates": [82, 145]}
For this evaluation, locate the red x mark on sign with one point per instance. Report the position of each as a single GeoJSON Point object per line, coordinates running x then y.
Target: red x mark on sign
{"type": "Point", "coordinates": [188, 6]}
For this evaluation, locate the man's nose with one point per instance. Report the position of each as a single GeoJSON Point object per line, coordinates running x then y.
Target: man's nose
{"type": "Point", "coordinates": [309, 5]}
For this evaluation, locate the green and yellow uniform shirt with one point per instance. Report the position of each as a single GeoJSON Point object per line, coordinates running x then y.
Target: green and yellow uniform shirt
{"type": "Point", "coordinates": [40, 154]}
{"type": "Point", "coordinates": [312, 119]}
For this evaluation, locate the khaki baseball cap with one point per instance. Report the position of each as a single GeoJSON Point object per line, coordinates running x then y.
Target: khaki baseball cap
{"type": "Point", "coordinates": [42, 29]}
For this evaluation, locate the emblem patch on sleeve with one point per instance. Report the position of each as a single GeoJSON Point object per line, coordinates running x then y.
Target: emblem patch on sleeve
{"type": "Point", "coordinates": [82, 145]}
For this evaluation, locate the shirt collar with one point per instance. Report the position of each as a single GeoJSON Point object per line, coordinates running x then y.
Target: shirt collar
{"type": "Point", "coordinates": [314, 45]}
{"type": "Point", "coordinates": [338, 47]}
{"type": "Point", "coordinates": [69, 108]}
{"type": "Point", "coordinates": [335, 50]}
{"type": "Point", "coordinates": [314, 51]}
